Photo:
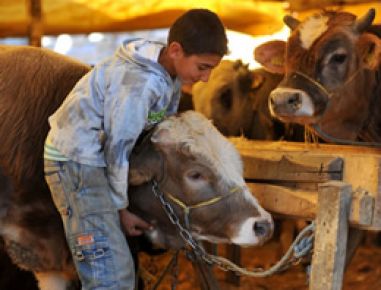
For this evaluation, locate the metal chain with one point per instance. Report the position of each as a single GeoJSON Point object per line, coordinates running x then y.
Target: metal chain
{"type": "Point", "coordinates": [184, 233]}
{"type": "Point", "coordinates": [300, 247]}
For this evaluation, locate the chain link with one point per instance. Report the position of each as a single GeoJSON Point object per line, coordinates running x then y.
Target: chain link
{"type": "Point", "coordinates": [184, 233]}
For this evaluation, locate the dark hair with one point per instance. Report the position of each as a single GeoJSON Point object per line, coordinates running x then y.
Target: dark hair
{"type": "Point", "coordinates": [199, 31]}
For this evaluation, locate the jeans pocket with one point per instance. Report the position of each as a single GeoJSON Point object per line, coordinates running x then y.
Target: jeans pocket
{"type": "Point", "coordinates": [92, 255]}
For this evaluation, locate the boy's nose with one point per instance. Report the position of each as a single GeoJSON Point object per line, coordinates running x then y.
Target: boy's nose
{"type": "Point", "coordinates": [205, 76]}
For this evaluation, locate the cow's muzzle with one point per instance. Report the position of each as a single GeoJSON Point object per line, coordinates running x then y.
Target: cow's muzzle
{"type": "Point", "coordinates": [298, 98]}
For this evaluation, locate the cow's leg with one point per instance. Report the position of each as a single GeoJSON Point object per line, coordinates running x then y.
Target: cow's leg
{"type": "Point", "coordinates": [54, 281]}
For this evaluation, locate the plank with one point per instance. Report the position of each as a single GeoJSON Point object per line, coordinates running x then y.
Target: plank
{"type": "Point", "coordinates": [330, 245]}
{"type": "Point", "coordinates": [204, 274]}
{"type": "Point", "coordinates": [305, 166]}
{"type": "Point", "coordinates": [35, 28]}
{"type": "Point", "coordinates": [233, 253]}
{"type": "Point", "coordinates": [303, 204]}
{"type": "Point", "coordinates": [294, 167]}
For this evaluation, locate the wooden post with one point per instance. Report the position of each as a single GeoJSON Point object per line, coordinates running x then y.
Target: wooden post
{"type": "Point", "coordinates": [328, 261]}
{"type": "Point", "coordinates": [204, 274]}
{"type": "Point", "coordinates": [35, 29]}
{"type": "Point", "coordinates": [233, 253]}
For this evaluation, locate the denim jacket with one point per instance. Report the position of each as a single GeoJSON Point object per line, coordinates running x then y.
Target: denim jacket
{"type": "Point", "coordinates": [102, 117]}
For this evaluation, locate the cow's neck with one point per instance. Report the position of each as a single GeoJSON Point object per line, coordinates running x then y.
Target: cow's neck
{"type": "Point", "coordinates": [355, 122]}
{"type": "Point", "coordinates": [371, 129]}
{"type": "Point", "coordinates": [144, 203]}
{"type": "Point", "coordinates": [147, 161]}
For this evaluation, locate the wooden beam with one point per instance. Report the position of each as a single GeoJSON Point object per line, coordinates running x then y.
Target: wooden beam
{"type": "Point", "coordinates": [233, 253]}
{"type": "Point", "coordinates": [294, 167]}
{"type": "Point", "coordinates": [330, 236]}
{"type": "Point", "coordinates": [298, 203]}
{"type": "Point", "coordinates": [204, 274]}
{"type": "Point", "coordinates": [285, 201]}
{"type": "Point", "coordinates": [35, 28]}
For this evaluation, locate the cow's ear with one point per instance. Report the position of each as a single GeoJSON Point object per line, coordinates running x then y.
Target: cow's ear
{"type": "Point", "coordinates": [162, 136]}
{"type": "Point", "coordinates": [369, 46]}
{"type": "Point", "coordinates": [137, 176]}
{"type": "Point", "coordinates": [271, 56]}
{"type": "Point", "coordinates": [257, 80]}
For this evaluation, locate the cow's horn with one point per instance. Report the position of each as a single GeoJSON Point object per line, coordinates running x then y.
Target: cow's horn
{"type": "Point", "coordinates": [364, 22]}
{"type": "Point", "coordinates": [291, 22]}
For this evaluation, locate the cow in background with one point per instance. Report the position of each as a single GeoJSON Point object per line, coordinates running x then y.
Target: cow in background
{"type": "Point", "coordinates": [332, 82]}
{"type": "Point", "coordinates": [235, 98]}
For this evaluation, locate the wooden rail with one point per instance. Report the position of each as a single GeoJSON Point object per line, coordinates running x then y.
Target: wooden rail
{"type": "Point", "coordinates": [285, 177]}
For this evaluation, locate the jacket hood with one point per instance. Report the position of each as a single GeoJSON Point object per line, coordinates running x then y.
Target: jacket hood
{"type": "Point", "coordinates": [142, 52]}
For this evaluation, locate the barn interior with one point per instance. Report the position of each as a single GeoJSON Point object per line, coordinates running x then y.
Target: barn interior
{"type": "Point", "coordinates": [54, 23]}
{"type": "Point", "coordinates": [249, 21]}
{"type": "Point", "coordinates": [254, 17]}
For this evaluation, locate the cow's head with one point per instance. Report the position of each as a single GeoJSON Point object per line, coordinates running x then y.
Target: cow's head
{"type": "Point", "coordinates": [234, 98]}
{"type": "Point", "coordinates": [329, 62]}
{"type": "Point", "coordinates": [196, 166]}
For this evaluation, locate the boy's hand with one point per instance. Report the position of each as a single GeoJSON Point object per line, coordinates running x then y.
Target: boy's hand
{"type": "Point", "coordinates": [132, 225]}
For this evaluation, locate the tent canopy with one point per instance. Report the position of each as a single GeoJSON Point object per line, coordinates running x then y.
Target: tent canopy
{"type": "Point", "coordinates": [256, 17]}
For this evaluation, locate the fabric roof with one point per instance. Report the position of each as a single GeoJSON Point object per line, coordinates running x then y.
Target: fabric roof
{"type": "Point", "coordinates": [83, 16]}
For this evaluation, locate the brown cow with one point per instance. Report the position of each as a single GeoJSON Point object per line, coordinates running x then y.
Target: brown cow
{"type": "Point", "coordinates": [191, 161]}
{"type": "Point", "coordinates": [332, 75]}
{"type": "Point", "coordinates": [235, 98]}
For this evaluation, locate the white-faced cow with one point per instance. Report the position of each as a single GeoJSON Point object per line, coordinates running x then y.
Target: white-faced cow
{"type": "Point", "coordinates": [191, 162]}
{"type": "Point", "coordinates": [332, 67]}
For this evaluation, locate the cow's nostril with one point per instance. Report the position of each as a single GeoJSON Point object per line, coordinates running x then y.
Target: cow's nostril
{"type": "Point", "coordinates": [272, 102]}
{"type": "Point", "coordinates": [261, 228]}
{"type": "Point", "coordinates": [294, 99]}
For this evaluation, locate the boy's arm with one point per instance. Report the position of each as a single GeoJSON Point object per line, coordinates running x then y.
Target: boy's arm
{"type": "Point", "coordinates": [174, 104]}
{"type": "Point", "coordinates": [132, 225]}
{"type": "Point", "coordinates": [129, 112]}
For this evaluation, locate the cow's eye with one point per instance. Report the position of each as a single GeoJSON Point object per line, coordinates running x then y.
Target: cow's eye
{"type": "Point", "coordinates": [226, 99]}
{"type": "Point", "coordinates": [338, 58]}
{"type": "Point", "coordinates": [194, 175]}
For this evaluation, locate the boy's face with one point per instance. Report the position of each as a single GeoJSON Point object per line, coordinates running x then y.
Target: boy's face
{"type": "Point", "coordinates": [195, 67]}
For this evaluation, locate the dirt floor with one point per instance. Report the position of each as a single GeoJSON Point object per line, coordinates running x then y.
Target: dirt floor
{"type": "Point", "coordinates": [364, 272]}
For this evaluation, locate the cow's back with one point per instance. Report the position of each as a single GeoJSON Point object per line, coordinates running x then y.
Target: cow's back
{"type": "Point", "coordinates": [33, 83]}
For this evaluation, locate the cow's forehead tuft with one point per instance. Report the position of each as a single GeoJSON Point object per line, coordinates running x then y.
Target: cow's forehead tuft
{"type": "Point", "coordinates": [312, 28]}
{"type": "Point", "coordinates": [206, 142]}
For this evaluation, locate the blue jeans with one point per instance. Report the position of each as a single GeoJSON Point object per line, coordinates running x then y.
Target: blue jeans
{"type": "Point", "coordinates": [99, 248]}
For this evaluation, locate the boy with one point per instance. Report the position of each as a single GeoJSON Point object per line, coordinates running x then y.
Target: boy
{"type": "Point", "coordinates": [94, 130]}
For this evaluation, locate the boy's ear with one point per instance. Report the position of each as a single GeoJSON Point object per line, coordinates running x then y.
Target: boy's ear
{"type": "Point", "coordinates": [175, 49]}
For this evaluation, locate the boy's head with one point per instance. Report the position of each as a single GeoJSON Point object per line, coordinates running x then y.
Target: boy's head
{"type": "Point", "coordinates": [199, 31]}
{"type": "Point", "coordinates": [196, 44]}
